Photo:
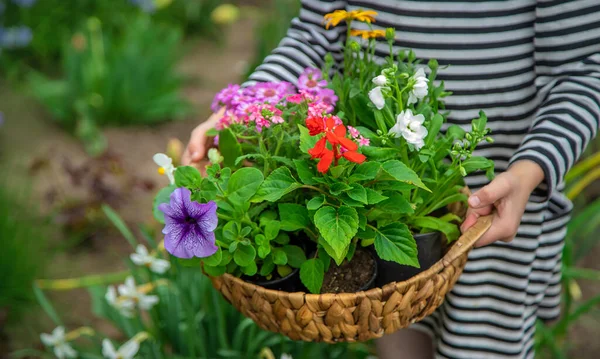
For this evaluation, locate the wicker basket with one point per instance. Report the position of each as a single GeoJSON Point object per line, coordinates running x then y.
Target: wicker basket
{"type": "Point", "coordinates": [351, 317]}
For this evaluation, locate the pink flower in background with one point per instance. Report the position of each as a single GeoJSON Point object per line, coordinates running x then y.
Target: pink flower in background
{"type": "Point", "coordinates": [228, 118]}
{"type": "Point", "coordinates": [311, 80]}
{"type": "Point", "coordinates": [353, 131]}
{"type": "Point", "coordinates": [317, 109]}
{"type": "Point", "coordinates": [363, 141]}
{"type": "Point", "coordinates": [225, 97]}
{"type": "Point", "coordinates": [328, 97]}
{"type": "Point", "coordinates": [271, 92]}
{"type": "Point", "coordinates": [263, 115]}
{"type": "Point", "coordinates": [297, 98]}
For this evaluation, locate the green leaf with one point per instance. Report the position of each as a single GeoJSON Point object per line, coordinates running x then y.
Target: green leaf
{"type": "Point", "coordinates": [279, 183]}
{"type": "Point", "coordinates": [396, 204]}
{"type": "Point", "coordinates": [451, 230]}
{"type": "Point", "coordinates": [455, 132]}
{"type": "Point", "coordinates": [324, 257]}
{"type": "Point", "coordinates": [457, 197]}
{"type": "Point", "coordinates": [295, 256]}
{"type": "Point", "coordinates": [477, 163]}
{"type": "Point", "coordinates": [229, 147]}
{"type": "Point", "coordinates": [434, 128]}
{"type": "Point", "coordinates": [215, 259]}
{"type": "Point", "coordinates": [272, 229]}
{"type": "Point", "coordinates": [379, 154]}
{"type": "Point", "coordinates": [358, 193]}
{"type": "Point", "coordinates": [366, 171]}
{"type": "Point", "coordinates": [279, 256]}
{"type": "Point", "coordinates": [215, 271]}
{"type": "Point", "coordinates": [247, 157]}
{"type": "Point", "coordinates": [315, 203]}
{"type": "Point", "coordinates": [267, 267]}
{"type": "Point", "coordinates": [338, 227]}
{"type": "Point", "coordinates": [208, 190]}
{"type": "Point", "coordinates": [284, 271]}
{"type": "Point", "coordinates": [163, 196]}
{"type": "Point", "coordinates": [264, 246]}
{"type": "Point", "coordinates": [306, 140]}
{"type": "Point", "coordinates": [188, 177]}
{"type": "Point", "coordinates": [284, 160]}
{"type": "Point", "coordinates": [337, 171]}
{"type": "Point", "coordinates": [312, 273]}
{"type": "Point", "coordinates": [304, 172]}
{"type": "Point", "coordinates": [293, 216]}
{"type": "Point", "coordinates": [374, 197]}
{"type": "Point", "coordinates": [402, 173]}
{"type": "Point", "coordinates": [243, 184]}
{"type": "Point", "coordinates": [250, 270]}
{"type": "Point", "coordinates": [395, 243]}
{"type": "Point", "coordinates": [244, 254]}
{"type": "Point", "coordinates": [230, 231]}
{"type": "Point", "coordinates": [338, 188]}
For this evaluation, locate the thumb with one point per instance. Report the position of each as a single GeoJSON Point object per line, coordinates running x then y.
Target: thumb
{"type": "Point", "coordinates": [488, 195]}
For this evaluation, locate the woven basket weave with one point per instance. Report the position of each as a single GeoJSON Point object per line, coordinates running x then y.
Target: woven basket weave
{"type": "Point", "coordinates": [351, 317]}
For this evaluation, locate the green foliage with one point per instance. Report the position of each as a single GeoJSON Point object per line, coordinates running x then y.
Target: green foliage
{"type": "Point", "coordinates": [23, 237]}
{"type": "Point", "coordinates": [114, 79]}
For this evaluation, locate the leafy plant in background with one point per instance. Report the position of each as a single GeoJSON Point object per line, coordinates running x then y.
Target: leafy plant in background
{"type": "Point", "coordinates": [582, 237]}
{"type": "Point", "coordinates": [22, 235]}
{"type": "Point", "coordinates": [171, 312]}
{"type": "Point", "coordinates": [114, 80]}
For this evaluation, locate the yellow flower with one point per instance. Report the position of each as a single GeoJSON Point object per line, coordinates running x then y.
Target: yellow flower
{"type": "Point", "coordinates": [368, 34]}
{"type": "Point", "coordinates": [334, 18]}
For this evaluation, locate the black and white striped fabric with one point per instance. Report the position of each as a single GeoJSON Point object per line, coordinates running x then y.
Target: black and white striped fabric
{"type": "Point", "coordinates": [534, 68]}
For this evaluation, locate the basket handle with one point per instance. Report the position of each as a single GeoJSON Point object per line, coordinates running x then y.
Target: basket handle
{"type": "Point", "coordinates": [468, 239]}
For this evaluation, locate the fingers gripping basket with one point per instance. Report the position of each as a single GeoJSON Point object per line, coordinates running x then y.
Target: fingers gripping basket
{"type": "Point", "coordinates": [350, 317]}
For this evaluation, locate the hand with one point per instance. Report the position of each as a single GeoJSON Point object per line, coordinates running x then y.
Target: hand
{"type": "Point", "coordinates": [198, 145]}
{"type": "Point", "coordinates": [508, 195]}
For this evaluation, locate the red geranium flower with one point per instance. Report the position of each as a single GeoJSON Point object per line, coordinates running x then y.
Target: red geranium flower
{"type": "Point", "coordinates": [336, 137]}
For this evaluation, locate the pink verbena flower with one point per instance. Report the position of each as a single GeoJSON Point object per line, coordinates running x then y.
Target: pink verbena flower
{"type": "Point", "coordinates": [316, 109]}
{"type": "Point", "coordinates": [353, 131]}
{"type": "Point", "coordinates": [311, 80]}
{"type": "Point", "coordinates": [328, 97]}
{"type": "Point", "coordinates": [363, 141]}
{"type": "Point", "coordinates": [263, 115]}
{"type": "Point", "coordinates": [225, 97]}
{"type": "Point", "coordinates": [271, 92]}
{"type": "Point", "coordinates": [227, 120]}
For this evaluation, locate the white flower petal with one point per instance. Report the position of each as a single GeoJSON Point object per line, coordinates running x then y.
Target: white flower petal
{"type": "Point", "coordinates": [380, 80]}
{"type": "Point", "coordinates": [108, 350]}
{"type": "Point", "coordinates": [160, 265]}
{"type": "Point", "coordinates": [129, 349]}
{"type": "Point", "coordinates": [138, 259]}
{"type": "Point", "coordinates": [111, 295]}
{"type": "Point", "coordinates": [141, 249]}
{"type": "Point", "coordinates": [162, 160]}
{"type": "Point", "coordinates": [169, 173]}
{"type": "Point", "coordinates": [47, 339]}
{"type": "Point", "coordinates": [376, 96]}
{"type": "Point", "coordinates": [146, 302]}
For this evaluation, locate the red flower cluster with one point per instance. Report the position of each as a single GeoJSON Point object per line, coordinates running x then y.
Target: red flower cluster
{"type": "Point", "coordinates": [335, 134]}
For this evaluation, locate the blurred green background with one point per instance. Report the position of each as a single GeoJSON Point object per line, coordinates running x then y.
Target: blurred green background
{"type": "Point", "coordinates": [89, 91]}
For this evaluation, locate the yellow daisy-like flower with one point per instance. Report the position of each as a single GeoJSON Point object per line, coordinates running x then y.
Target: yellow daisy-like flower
{"type": "Point", "coordinates": [367, 34]}
{"type": "Point", "coordinates": [334, 18]}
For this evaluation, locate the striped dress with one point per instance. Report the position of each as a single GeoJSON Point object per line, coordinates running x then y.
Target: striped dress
{"type": "Point", "coordinates": [534, 68]}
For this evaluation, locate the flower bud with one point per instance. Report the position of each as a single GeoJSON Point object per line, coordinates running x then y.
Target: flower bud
{"type": "Point", "coordinates": [380, 80]}
{"type": "Point", "coordinates": [354, 46]}
{"type": "Point", "coordinates": [468, 136]}
{"type": "Point", "coordinates": [390, 34]}
{"type": "Point", "coordinates": [379, 133]}
{"type": "Point", "coordinates": [462, 170]}
{"type": "Point", "coordinates": [214, 156]}
{"type": "Point", "coordinates": [489, 140]}
{"type": "Point", "coordinates": [329, 59]}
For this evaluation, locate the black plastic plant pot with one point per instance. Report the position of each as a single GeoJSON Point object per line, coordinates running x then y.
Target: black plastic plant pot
{"type": "Point", "coordinates": [429, 246]}
{"type": "Point", "coordinates": [371, 283]}
{"type": "Point", "coordinates": [289, 283]}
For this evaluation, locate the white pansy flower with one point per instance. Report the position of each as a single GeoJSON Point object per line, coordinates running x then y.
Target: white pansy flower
{"type": "Point", "coordinates": [411, 128]}
{"type": "Point", "coordinates": [126, 351]}
{"type": "Point", "coordinates": [56, 340]}
{"type": "Point", "coordinates": [380, 80]}
{"type": "Point", "coordinates": [420, 88]}
{"type": "Point", "coordinates": [125, 306]}
{"type": "Point", "coordinates": [165, 164]}
{"type": "Point", "coordinates": [129, 295]}
{"type": "Point", "coordinates": [376, 96]}
{"type": "Point", "coordinates": [141, 257]}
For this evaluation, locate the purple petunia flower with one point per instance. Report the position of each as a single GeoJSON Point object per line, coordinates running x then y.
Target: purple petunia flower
{"type": "Point", "coordinates": [272, 92]}
{"type": "Point", "coordinates": [328, 97]}
{"type": "Point", "coordinates": [225, 97]}
{"type": "Point", "coordinates": [189, 225]}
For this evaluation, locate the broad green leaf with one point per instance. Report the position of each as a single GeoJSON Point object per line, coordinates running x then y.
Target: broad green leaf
{"type": "Point", "coordinates": [338, 227]}
{"type": "Point", "coordinates": [451, 230]}
{"type": "Point", "coordinates": [243, 183]}
{"type": "Point", "coordinates": [402, 173]}
{"type": "Point", "coordinates": [338, 188]}
{"type": "Point", "coordinates": [379, 153]}
{"type": "Point", "coordinates": [293, 216]}
{"type": "Point", "coordinates": [324, 257]}
{"type": "Point", "coordinates": [455, 132]}
{"type": "Point", "coordinates": [208, 190]}
{"type": "Point", "coordinates": [279, 183]}
{"type": "Point", "coordinates": [358, 193]}
{"type": "Point", "coordinates": [272, 229]}
{"type": "Point", "coordinates": [477, 163]}
{"type": "Point", "coordinates": [434, 128]}
{"type": "Point", "coordinates": [315, 203]}
{"type": "Point", "coordinates": [395, 243]}
{"type": "Point", "coordinates": [337, 171]}
{"type": "Point", "coordinates": [457, 197]}
{"type": "Point", "coordinates": [304, 172]}
{"type": "Point", "coordinates": [250, 270]}
{"type": "Point", "coordinates": [163, 196]}
{"type": "Point", "coordinates": [312, 273]}
{"type": "Point", "coordinates": [283, 160]}
{"type": "Point", "coordinates": [215, 271]}
{"type": "Point", "coordinates": [279, 256]}
{"type": "Point", "coordinates": [267, 267]}
{"type": "Point", "coordinates": [366, 171]}
{"type": "Point", "coordinates": [295, 256]}
{"type": "Point", "coordinates": [244, 255]}
{"type": "Point", "coordinates": [188, 176]}
{"type": "Point", "coordinates": [306, 140]}
{"type": "Point", "coordinates": [230, 231]}
{"type": "Point", "coordinates": [395, 204]}
{"type": "Point", "coordinates": [374, 197]}
{"type": "Point", "coordinates": [284, 271]}
{"type": "Point", "coordinates": [264, 246]}
{"type": "Point", "coordinates": [215, 259]}
{"type": "Point", "coordinates": [229, 147]}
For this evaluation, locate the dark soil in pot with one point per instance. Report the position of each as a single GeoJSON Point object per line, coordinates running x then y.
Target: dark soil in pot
{"type": "Point", "coordinates": [354, 276]}
{"type": "Point", "coordinates": [429, 247]}
{"type": "Point", "coordinates": [289, 283]}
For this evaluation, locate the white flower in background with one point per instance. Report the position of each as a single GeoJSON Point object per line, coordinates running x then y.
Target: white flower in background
{"type": "Point", "coordinates": [286, 356]}
{"type": "Point", "coordinates": [411, 128]}
{"type": "Point", "coordinates": [214, 156]}
{"type": "Point", "coordinates": [141, 257]}
{"type": "Point", "coordinates": [165, 164]}
{"type": "Point", "coordinates": [420, 88]}
{"type": "Point", "coordinates": [376, 96]}
{"type": "Point", "coordinates": [57, 340]}
{"type": "Point", "coordinates": [129, 296]}
{"type": "Point", "coordinates": [380, 80]}
{"type": "Point", "coordinates": [126, 351]}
